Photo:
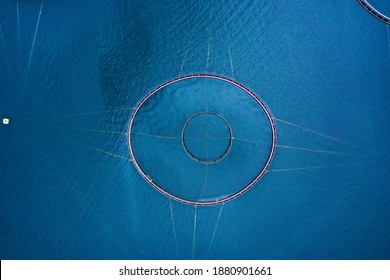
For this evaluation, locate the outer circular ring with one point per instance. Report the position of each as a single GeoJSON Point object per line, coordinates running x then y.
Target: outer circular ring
{"type": "Point", "coordinates": [369, 8]}
{"type": "Point", "coordinates": [192, 156]}
{"type": "Point", "coordinates": [212, 202]}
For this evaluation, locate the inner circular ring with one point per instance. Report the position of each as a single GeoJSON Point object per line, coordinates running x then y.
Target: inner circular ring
{"type": "Point", "coordinates": [191, 154]}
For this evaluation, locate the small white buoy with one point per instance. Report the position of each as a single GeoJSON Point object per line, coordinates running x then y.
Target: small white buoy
{"type": "Point", "coordinates": [5, 121]}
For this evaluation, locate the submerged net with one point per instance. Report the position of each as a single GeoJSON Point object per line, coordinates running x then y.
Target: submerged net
{"type": "Point", "coordinates": [201, 139]}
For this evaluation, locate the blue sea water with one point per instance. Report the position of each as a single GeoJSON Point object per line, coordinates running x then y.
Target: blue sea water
{"type": "Point", "coordinates": [68, 83]}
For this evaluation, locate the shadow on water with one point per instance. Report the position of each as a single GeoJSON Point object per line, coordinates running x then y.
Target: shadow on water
{"type": "Point", "coordinates": [123, 45]}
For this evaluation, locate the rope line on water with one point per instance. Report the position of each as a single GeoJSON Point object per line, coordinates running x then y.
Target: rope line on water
{"type": "Point", "coordinates": [209, 38]}
{"type": "Point", "coordinates": [231, 61]}
{"type": "Point", "coordinates": [311, 150]}
{"type": "Point", "coordinates": [186, 52]}
{"type": "Point", "coordinates": [215, 230]}
{"type": "Point", "coordinates": [194, 236]}
{"type": "Point", "coordinates": [291, 147]}
{"type": "Point", "coordinates": [173, 227]}
{"type": "Point", "coordinates": [250, 140]}
{"type": "Point", "coordinates": [98, 112]}
{"type": "Point", "coordinates": [313, 131]}
{"type": "Point", "coordinates": [99, 150]}
{"type": "Point", "coordinates": [35, 37]}
{"type": "Point", "coordinates": [230, 52]}
{"type": "Point", "coordinates": [305, 168]}
{"type": "Point", "coordinates": [90, 130]}
{"type": "Point", "coordinates": [208, 53]}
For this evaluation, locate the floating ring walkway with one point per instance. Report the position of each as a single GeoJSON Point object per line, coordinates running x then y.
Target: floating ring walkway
{"type": "Point", "coordinates": [369, 8]}
{"type": "Point", "coordinates": [210, 202]}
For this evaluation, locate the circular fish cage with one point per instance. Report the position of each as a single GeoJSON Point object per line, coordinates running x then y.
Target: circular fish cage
{"type": "Point", "coordinates": [201, 139]}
